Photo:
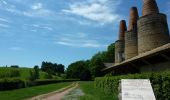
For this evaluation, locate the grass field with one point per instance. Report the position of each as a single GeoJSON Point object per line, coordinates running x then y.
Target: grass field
{"type": "Point", "coordinates": [92, 93]}
{"type": "Point", "coordinates": [24, 72]}
{"type": "Point", "coordinates": [21, 94]}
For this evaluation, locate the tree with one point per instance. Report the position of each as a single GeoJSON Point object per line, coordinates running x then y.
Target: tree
{"type": "Point", "coordinates": [32, 76]}
{"type": "Point", "coordinates": [36, 69]}
{"type": "Point", "coordinates": [78, 70]}
{"type": "Point", "coordinates": [110, 53]}
{"type": "Point", "coordinates": [96, 64]}
{"type": "Point", "coordinates": [14, 66]}
{"type": "Point", "coordinates": [52, 68]}
{"type": "Point", "coordinates": [85, 75]}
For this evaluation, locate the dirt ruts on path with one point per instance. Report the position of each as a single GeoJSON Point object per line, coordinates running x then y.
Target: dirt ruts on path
{"type": "Point", "coordinates": [56, 95]}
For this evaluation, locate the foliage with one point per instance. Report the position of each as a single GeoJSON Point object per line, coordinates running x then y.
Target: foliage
{"type": "Point", "coordinates": [79, 70]}
{"type": "Point", "coordinates": [96, 64]}
{"type": "Point", "coordinates": [34, 74]}
{"type": "Point", "coordinates": [11, 83]}
{"type": "Point", "coordinates": [23, 73]}
{"type": "Point", "coordinates": [52, 68]}
{"type": "Point", "coordinates": [93, 93]}
{"type": "Point", "coordinates": [14, 66]}
{"type": "Point", "coordinates": [92, 67]}
{"type": "Point", "coordinates": [10, 73]}
{"type": "Point", "coordinates": [48, 76]}
{"type": "Point", "coordinates": [37, 74]}
{"type": "Point", "coordinates": [160, 83]}
{"type": "Point", "coordinates": [85, 75]}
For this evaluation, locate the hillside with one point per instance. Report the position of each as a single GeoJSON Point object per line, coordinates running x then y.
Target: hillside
{"type": "Point", "coordinates": [24, 72]}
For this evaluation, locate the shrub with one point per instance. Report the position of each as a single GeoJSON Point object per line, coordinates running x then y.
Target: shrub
{"type": "Point", "coordinates": [48, 76]}
{"type": "Point", "coordinates": [12, 83]}
{"type": "Point", "coordinates": [160, 83]}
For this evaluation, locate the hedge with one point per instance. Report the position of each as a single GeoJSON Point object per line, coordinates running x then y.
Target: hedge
{"type": "Point", "coordinates": [160, 82]}
{"type": "Point", "coordinates": [11, 83]}
{"type": "Point", "coordinates": [17, 83]}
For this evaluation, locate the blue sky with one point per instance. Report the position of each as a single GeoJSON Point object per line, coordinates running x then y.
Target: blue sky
{"type": "Point", "coordinates": [62, 31]}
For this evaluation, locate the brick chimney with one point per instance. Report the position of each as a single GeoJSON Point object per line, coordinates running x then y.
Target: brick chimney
{"type": "Point", "coordinates": [133, 19]}
{"type": "Point", "coordinates": [149, 7]}
{"type": "Point", "coordinates": [122, 29]}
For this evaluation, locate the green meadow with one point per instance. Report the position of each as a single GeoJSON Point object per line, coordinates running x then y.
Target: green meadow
{"type": "Point", "coordinates": [24, 72]}
{"type": "Point", "coordinates": [21, 94]}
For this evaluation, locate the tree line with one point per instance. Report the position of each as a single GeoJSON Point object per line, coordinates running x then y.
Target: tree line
{"type": "Point", "coordinates": [52, 68]}
{"type": "Point", "coordinates": [89, 69]}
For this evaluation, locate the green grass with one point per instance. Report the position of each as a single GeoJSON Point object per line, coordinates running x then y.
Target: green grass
{"type": "Point", "coordinates": [92, 93]}
{"type": "Point", "coordinates": [21, 94]}
{"type": "Point", "coordinates": [24, 72]}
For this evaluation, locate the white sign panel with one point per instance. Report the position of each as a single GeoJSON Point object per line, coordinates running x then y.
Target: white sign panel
{"type": "Point", "coordinates": [136, 89]}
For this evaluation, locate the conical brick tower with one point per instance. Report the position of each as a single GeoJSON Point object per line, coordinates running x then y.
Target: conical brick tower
{"type": "Point", "coordinates": [133, 19]}
{"type": "Point", "coordinates": [131, 39]}
{"type": "Point", "coordinates": [153, 29]}
{"type": "Point", "coordinates": [119, 44]}
{"type": "Point", "coordinates": [149, 7]}
{"type": "Point", "coordinates": [122, 29]}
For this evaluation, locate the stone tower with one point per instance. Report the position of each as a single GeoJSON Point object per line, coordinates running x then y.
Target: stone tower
{"type": "Point", "coordinates": [119, 44]}
{"type": "Point", "coordinates": [153, 29]}
{"type": "Point", "coordinates": [131, 39]}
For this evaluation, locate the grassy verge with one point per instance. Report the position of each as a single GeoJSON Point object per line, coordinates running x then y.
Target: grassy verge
{"type": "Point", "coordinates": [92, 93]}
{"type": "Point", "coordinates": [21, 94]}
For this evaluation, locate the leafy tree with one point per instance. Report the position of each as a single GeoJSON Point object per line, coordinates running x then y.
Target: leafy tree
{"type": "Point", "coordinates": [14, 66]}
{"type": "Point", "coordinates": [98, 60]}
{"type": "Point", "coordinates": [85, 75]}
{"type": "Point", "coordinates": [78, 70]}
{"type": "Point", "coordinates": [110, 55]}
{"type": "Point", "coordinates": [52, 68]}
{"type": "Point", "coordinates": [96, 65]}
{"type": "Point", "coordinates": [60, 68]}
{"type": "Point", "coordinates": [32, 76]}
{"type": "Point", "coordinates": [36, 69]}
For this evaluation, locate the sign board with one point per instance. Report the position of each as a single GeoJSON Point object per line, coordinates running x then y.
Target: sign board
{"type": "Point", "coordinates": [136, 89]}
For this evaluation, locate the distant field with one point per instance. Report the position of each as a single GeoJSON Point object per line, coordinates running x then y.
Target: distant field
{"type": "Point", "coordinates": [24, 72]}
{"type": "Point", "coordinates": [21, 94]}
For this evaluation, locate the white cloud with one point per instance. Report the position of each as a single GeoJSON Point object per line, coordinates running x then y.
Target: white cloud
{"type": "Point", "coordinates": [34, 10]}
{"type": "Point", "coordinates": [78, 40]}
{"type": "Point", "coordinates": [46, 27]}
{"type": "Point", "coordinates": [84, 45]}
{"type": "Point", "coordinates": [4, 26]}
{"type": "Point", "coordinates": [4, 20]}
{"type": "Point", "coordinates": [43, 13]}
{"type": "Point", "coordinates": [16, 48]}
{"type": "Point", "coordinates": [95, 10]}
{"type": "Point", "coordinates": [37, 6]}
{"type": "Point", "coordinates": [4, 2]}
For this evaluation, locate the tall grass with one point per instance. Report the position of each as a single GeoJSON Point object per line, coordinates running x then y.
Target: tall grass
{"type": "Point", "coordinates": [92, 93]}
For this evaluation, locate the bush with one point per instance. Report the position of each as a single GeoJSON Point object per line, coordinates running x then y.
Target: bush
{"type": "Point", "coordinates": [9, 84]}
{"type": "Point", "coordinates": [48, 76]}
{"type": "Point", "coordinates": [15, 83]}
{"type": "Point", "coordinates": [160, 83]}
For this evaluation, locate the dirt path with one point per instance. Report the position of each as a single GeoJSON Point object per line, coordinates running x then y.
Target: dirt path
{"type": "Point", "coordinates": [56, 95]}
